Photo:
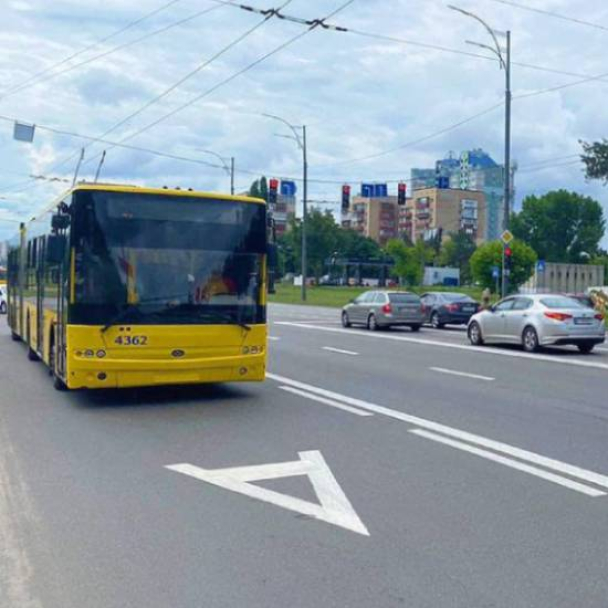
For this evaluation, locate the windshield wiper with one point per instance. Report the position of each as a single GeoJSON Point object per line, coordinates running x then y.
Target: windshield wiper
{"type": "Point", "coordinates": [119, 316]}
{"type": "Point", "coordinates": [233, 318]}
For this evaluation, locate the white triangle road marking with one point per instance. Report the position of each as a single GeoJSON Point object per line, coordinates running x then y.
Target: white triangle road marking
{"type": "Point", "coordinates": [334, 507]}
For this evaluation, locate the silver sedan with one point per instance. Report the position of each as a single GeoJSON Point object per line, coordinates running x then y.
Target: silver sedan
{"type": "Point", "coordinates": [539, 320]}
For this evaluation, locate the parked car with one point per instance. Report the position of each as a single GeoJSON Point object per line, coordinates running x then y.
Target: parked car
{"type": "Point", "coordinates": [3, 302]}
{"type": "Point", "coordinates": [539, 320]}
{"type": "Point", "coordinates": [441, 308]}
{"type": "Point", "coordinates": [383, 309]}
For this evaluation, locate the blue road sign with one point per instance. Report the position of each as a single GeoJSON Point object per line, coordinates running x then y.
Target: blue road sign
{"type": "Point", "coordinates": [288, 188]}
{"type": "Point", "coordinates": [495, 272]}
{"type": "Point", "coordinates": [541, 265]}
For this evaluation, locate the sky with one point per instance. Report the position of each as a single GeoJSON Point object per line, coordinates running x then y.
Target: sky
{"type": "Point", "coordinates": [360, 96]}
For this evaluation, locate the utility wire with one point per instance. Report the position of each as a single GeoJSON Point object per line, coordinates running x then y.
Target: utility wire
{"type": "Point", "coordinates": [91, 46]}
{"type": "Point", "coordinates": [240, 72]}
{"type": "Point", "coordinates": [414, 142]}
{"type": "Point", "coordinates": [111, 51]}
{"type": "Point", "coordinates": [168, 90]}
{"type": "Point", "coordinates": [552, 14]}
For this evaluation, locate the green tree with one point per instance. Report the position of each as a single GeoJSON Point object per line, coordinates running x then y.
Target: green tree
{"type": "Point", "coordinates": [456, 252]}
{"type": "Point", "coordinates": [259, 188]}
{"type": "Point", "coordinates": [489, 255]}
{"type": "Point", "coordinates": [595, 159]}
{"type": "Point", "coordinates": [560, 226]}
{"type": "Point", "coordinates": [409, 261]}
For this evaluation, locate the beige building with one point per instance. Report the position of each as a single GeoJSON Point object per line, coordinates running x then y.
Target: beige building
{"type": "Point", "coordinates": [377, 218]}
{"type": "Point", "coordinates": [434, 210]}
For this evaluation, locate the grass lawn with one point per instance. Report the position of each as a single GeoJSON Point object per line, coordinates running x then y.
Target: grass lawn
{"type": "Point", "coordinates": [339, 296]}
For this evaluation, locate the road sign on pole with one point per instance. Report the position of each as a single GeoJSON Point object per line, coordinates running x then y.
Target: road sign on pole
{"type": "Point", "coordinates": [506, 237]}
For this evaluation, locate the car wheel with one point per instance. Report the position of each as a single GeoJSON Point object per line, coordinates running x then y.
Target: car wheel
{"type": "Point", "coordinates": [475, 336]}
{"type": "Point", "coordinates": [415, 327]}
{"type": "Point", "coordinates": [15, 337]}
{"type": "Point", "coordinates": [345, 320]}
{"type": "Point", "coordinates": [586, 347]}
{"type": "Point", "coordinates": [372, 323]}
{"type": "Point", "coordinates": [3, 308]}
{"type": "Point", "coordinates": [435, 322]}
{"type": "Point", "coordinates": [530, 340]}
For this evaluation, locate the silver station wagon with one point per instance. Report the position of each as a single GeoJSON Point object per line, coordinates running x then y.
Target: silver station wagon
{"type": "Point", "coordinates": [539, 320]}
{"type": "Point", "coordinates": [384, 309]}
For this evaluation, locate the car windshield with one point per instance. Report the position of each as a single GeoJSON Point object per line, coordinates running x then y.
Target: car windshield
{"type": "Point", "coordinates": [403, 298]}
{"type": "Point", "coordinates": [561, 302]}
{"type": "Point", "coordinates": [140, 256]}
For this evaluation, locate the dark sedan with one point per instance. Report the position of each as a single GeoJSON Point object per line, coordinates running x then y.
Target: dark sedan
{"type": "Point", "coordinates": [442, 308]}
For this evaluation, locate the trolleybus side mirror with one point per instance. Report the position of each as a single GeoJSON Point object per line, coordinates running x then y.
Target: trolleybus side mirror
{"type": "Point", "coordinates": [55, 248]}
{"type": "Point", "coordinates": [60, 221]}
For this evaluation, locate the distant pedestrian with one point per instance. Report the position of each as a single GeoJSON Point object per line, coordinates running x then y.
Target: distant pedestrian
{"type": "Point", "coordinates": [485, 298]}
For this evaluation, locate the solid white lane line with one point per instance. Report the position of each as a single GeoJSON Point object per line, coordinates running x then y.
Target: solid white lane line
{"type": "Point", "coordinates": [549, 463]}
{"type": "Point", "coordinates": [514, 464]}
{"type": "Point", "coordinates": [453, 372]}
{"type": "Point", "coordinates": [331, 349]}
{"type": "Point", "coordinates": [274, 338]}
{"type": "Point", "coordinates": [472, 349]}
{"type": "Point", "coordinates": [330, 402]}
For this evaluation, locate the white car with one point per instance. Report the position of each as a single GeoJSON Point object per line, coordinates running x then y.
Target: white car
{"type": "Point", "coordinates": [539, 320]}
{"type": "Point", "coordinates": [3, 302]}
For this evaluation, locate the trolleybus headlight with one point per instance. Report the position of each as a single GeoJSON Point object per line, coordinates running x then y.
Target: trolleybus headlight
{"type": "Point", "coordinates": [89, 353]}
{"type": "Point", "coordinates": [101, 353]}
{"type": "Point", "coordinates": [245, 350]}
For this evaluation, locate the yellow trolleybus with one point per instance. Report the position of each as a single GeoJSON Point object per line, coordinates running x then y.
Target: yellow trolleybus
{"type": "Point", "coordinates": [120, 286]}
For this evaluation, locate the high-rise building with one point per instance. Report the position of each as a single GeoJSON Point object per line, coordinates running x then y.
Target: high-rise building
{"type": "Point", "coordinates": [437, 212]}
{"type": "Point", "coordinates": [474, 170]}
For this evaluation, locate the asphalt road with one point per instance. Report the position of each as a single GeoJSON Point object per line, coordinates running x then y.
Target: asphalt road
{"type": "Point", "coordinates": [409, 470]}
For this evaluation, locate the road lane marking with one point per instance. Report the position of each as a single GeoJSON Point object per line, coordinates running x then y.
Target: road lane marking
{"type": "Point", "coordinates": [453, 372]}
{"type": "Point", "coordinates": [341, 351]}
{"type": "Point", "coordinates": [334, 507]}
{"type": "Point", "coordinates": [537, 459]}
{"type": "Point", "coordinates": [469, 348]}
{"type": "Point", "coordinates": [330, 402]}
{"type": "Point", "coordinates": [274, 338]}
{"type": "Point", "coordinates": [514, 464]}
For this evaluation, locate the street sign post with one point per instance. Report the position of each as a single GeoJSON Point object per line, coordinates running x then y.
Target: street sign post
{"type": "Point", "coordinates": [496, 276]}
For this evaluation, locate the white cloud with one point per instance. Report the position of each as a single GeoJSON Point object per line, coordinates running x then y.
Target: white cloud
{"type": "Point", "coordinates": [358, 95]}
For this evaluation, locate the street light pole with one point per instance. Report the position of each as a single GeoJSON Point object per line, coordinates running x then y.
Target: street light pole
{"type": "Point", "coordinates": [508, 98]}
{"type": "Point", "coordinates": [304, 212]}
{"type": "Point", "coordinates": [505, 63]}
{"type": "Point", "coordinates": [229, 169]}
{"type": "Point", "coordinates": [302, 144]}
{"type": "Point", "coordinates": [232, 175]}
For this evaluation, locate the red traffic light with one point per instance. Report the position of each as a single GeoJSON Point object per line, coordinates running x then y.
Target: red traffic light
{"type": "Point", "coordinates": [274, 184]}
{"type": "Point", "coordinates": [508, 252]}
{"type": "Point", "coordinates": [346, 189]}
{"type": "Point", "coordinates": [402, 187]}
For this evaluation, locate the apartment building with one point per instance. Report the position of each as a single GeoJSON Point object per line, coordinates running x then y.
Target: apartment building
{"type": "Point", "coordinates": [377, 218]}
{"type": "Point", "coordinates": [433, 211]}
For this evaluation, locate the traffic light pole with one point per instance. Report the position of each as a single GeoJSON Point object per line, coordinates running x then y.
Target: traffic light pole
{"type": "Point", "coordinates": [304, 213]}
{"type": "Point", "coordinates": [504, 271]}
{"type": "Point", "coordinates": [507, 195]}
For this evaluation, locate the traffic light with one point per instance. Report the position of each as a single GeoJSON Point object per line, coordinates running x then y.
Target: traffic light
{"type": "Point", "coordinates": [401, 193]}
{"type": "Point", "coordinates": [508, 258]}
{"type": "Point", "coordinates": [345, 197]}
{"type": "Point", "coordinates": [273, 187]}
